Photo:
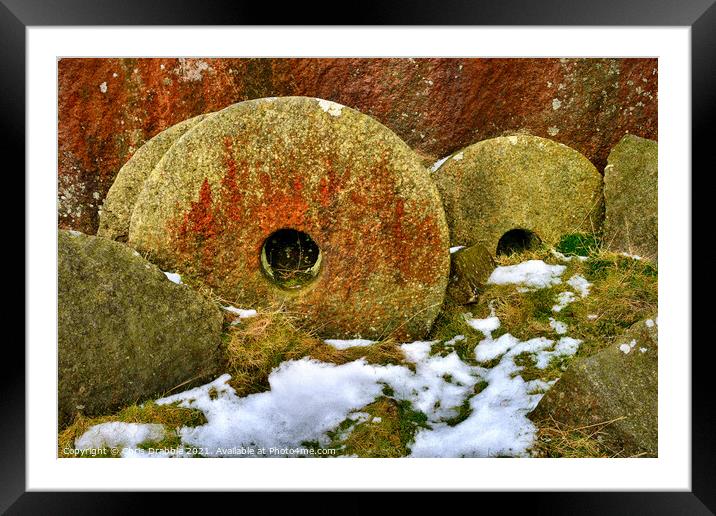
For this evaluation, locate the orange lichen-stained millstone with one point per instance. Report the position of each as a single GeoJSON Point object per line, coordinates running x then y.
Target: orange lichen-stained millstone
{"type": "Point", "coordinates": [320, 169]}
{"type": "Point", "coordinates": [518, 183]}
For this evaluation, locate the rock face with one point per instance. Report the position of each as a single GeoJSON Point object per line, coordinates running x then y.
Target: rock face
{"type": "Point", "coordinates": [518, 187]}
{"type": "Point", "coordinates": [118, 205]}
{"type": "Point", "coordinates": [631, 197]}
{"type": "Point", "coordinates": [469, 270]}
{"type": "Point", "coordinates": [270, 182]}
{"type": "Point", "coordinates": [126, 333]}
{"type": "Point", "coordinates": [109, 107]}
{"type": "Point", "coordinates": [617, 384]}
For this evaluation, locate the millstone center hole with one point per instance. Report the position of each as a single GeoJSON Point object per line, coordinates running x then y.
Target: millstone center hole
{"type": "Point", "coordinates": [290, 258]}
{"type": "Point", "coordinates": [516, 241]}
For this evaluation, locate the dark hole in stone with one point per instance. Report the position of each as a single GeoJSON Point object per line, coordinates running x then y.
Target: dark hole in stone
{"type": "Point", "coordinates": [517, 240]}
{"type": "Point", "coordinates": [290, 258]}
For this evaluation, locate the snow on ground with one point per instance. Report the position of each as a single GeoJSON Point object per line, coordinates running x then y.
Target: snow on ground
{"type": "Point", "coordinates": [348, 343]}
{"type": "Point", "coordinates": [456, 248]}
{"type": "Point", "coordinates": [438, 163]}
{"type": "Point", "coordinates": [242, 313]}
{"type": "Point", "coordinates": [119, 435]}
{"type": "Point", "coordinates": [307, 398]}
{"type": "Point", "coordinates": [173, 277]}
{"type": "Point", "coordinates": [532, 273]}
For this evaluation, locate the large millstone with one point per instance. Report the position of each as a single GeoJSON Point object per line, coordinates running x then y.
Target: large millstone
{"type": "Point", "coordinates": [303, 202]}
{"type": "Point", "coordinates": [520, 187]}
{"type": "Point", "coordinates": [631, 194]}
{"type": "Point", "coordinates": [125, 332]}
{"type": "Point", "coordinates": [118, 205]}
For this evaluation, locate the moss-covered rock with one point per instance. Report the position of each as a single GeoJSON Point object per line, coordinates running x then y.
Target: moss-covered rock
{"type": "Point", "coordinates": [117, 209]}
{"type": "Point", "coordinates": [469, 270]}
{"type": "Point", "coordinates": [631, 197]}
{"type": "Point", "coordinates": [520, 182]}
{"type": "Point", "coordinates": [125, 332]}
{"type": "Point", "coordinates": [319, 169]}
{"type": "Point", "coordinates": [617, 385]}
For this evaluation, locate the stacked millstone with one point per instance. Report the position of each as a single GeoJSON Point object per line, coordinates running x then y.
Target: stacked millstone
{"type": "Point", "coordinates": [631, 197]}
{"type": "Point", "coordinates": [117, 209]}
{"type": "Point", "coordinates": [511, 192]}
{"type": "Point", "coordinates": [300, 202]}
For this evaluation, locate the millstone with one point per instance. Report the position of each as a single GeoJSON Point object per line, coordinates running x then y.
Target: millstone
{"type": "Point", "coordinates": [524, 188]}
{"type": "Point", "coordinates": [303, 202]}
{"type": "Point", "coordinates": [631, 180]}
{"type": "Point", "coordinates": [117, 209]}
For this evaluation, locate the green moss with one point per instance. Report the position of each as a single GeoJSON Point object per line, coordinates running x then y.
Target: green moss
{"type": "Point", "coordinates": [578, 244]}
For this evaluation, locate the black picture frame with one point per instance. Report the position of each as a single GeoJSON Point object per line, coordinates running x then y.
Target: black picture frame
{"type": "Point", "coordinates": [700, 15]}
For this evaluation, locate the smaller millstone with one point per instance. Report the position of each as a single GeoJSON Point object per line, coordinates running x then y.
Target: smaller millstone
{"type": "Point", "coordinates": [469, 270]}
{"type": "Point", "coordinates": [535, 186]}
{"type": "Point", "coordinates": [122, 196]}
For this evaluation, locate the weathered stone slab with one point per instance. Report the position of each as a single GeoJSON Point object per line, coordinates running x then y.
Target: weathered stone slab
{"type": "Point", "coordinates": [519, 182]}
{"type": "Point", "coordinates": [631, 180]}
{"type": "Point", "coordinates": [126, 333]}
{"type": "Point", "coordinates": [618, 384]}
{"type": "Point", "coordinates": [367, 231]}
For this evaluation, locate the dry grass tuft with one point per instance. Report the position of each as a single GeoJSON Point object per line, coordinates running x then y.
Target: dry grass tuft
{"type": "Point", "coordinates": [259, 344]}
{"type": "Point", "coordinates": [557, 440]}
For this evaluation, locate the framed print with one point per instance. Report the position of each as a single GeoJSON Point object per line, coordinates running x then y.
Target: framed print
{"type": "Point", "coordinates": [429, 251]}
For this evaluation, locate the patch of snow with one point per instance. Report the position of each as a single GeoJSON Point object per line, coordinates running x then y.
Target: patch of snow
{"type": "Point", "coordinates": [649, 323]}
{"type": "Point", "coordinates": [580, 284]}
{"type": "Point", "coordinates": [456, 248]}
{"type": "Point", "coordinates": [438, 163]}
{"type": "Point", "coordinates": [552, 131]}
{"type": "Point", "coordinates": [332, 108]}
{"type": "Point", "coordinates": [591, 317]}
{"type": "Point", "coordinates": [566, 346]}
{"type": "Point", "coordinates": [489, 349]}
{"type": "Point", "coordinates": [632, 256]}
{"type": "Point", "coordinates": [532, 273]}
{"type": "Point", "coordinates": [563, 299]}
{"type": "Point", "coordinates": [119, 435]}
{"type": "Point", "coordinates": [173, 277]}
{"type": "Point", "coordinates": [486, 326]}
{"type": "Point", "coordinates": [348, 343]}
{"type": "Point", "coordinates": [625, 348]}
{"type": "Point", "coordinates": [458, 156]}
{"type": "Point", "coordinates": [559, 327]}
{"type": "Point", "coordinates": [242, 313]}
{"type": "Point", "coordinates": [103, 87]}
{"type": "Point", "coordinates": [455, 340]}
{"type": "Point", "coordinates": [73, 232]}
{"type": "Point", "coordinates": [643, 350]}
{"type": "Point", "coordinates": [556, 104]}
